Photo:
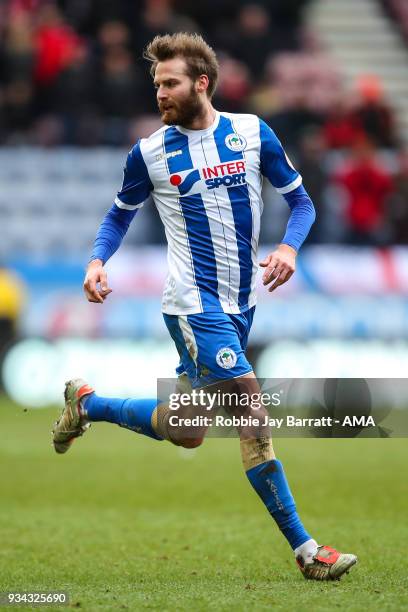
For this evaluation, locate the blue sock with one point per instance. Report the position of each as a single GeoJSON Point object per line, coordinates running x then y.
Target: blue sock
{"type": "Point", "coordinates": [133, 414]}
{"type": "Point", "coordinates": [269, 481]}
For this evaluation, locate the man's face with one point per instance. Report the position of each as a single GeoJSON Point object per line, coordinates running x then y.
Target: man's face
{"type": "Point", "coordinates": [179, 102]}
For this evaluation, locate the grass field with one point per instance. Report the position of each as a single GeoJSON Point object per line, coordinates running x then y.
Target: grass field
{"type": "Point", "coordinates": [122, 522]}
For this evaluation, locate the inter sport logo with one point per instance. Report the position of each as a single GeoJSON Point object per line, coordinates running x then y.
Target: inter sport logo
{"type": "Point", "coordinates": [223, 175]}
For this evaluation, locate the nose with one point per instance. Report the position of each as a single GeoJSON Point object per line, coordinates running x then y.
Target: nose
{"type": "Point", "coordinates": [161, 93]}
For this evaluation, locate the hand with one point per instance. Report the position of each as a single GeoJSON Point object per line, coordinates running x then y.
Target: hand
{"type": "Point", "coordinates": [94, 275]}
{"type": "Point", "coordinates": [279, 266]}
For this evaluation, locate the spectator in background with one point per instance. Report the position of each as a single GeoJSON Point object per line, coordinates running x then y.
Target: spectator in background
{"type": "Point", "coordinates": [288, 19]}
{"type": "Point", "coordinates": [158, 17]}
{"type": "Point", "coordinates": [303, 85]}
{"type": "Point", "coordinates": [292, 123]}
{"type": "Point", "coordinates": [18, 63]}
{"type": "Point", "coordinates": [234, 85]}
{"type": "Point", "coordinates": [118, 88]}
{"type": "Point", "coordinates": [253, 41]}
{"type": "Point", "coordinates": [87, 16]}
{"type": "Point", "coordinates": [339, 130]}
{"type": "Point", "coordinates": [57, 46]}
{"type": "Point", "coordinates": [372, 115]}
{"type": "Point", "coordinates": [203, 14]}
{"type": "Point", "coordinates": [75, 96]}
{"type": "Point", "coordinates": [113, 35]}
{"type": "Point", "coordinates": [366, 186]}
{"type": "Point", "coordinates": [55, 43]}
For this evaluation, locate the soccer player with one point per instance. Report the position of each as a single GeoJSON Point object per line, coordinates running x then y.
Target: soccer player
{"type": "Point", "coordinates": [203, 170]}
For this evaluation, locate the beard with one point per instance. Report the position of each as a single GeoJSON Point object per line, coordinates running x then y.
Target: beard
{"type": "Point", "coordinates": [182, 112]}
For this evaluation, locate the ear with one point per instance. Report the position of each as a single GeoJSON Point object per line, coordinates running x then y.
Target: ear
{"type": "Point", "coordinates": [202, 83]}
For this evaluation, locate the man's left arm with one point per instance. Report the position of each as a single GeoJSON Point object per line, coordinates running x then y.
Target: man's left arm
{"type": "Point", "coordinates": [276, 166]}
{"type": "Point", "coordinates": [280, 264]}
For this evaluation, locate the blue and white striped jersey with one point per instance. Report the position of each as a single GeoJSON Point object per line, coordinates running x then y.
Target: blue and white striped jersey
{"type": "Point", "coordinates": [207, 185]}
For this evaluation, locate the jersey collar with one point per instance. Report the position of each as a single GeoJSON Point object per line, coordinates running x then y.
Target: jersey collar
{"type": "Point", "coordinates": [208, 130]}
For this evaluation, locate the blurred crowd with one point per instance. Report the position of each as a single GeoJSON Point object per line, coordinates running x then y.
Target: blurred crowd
{"type": "Point", "coordinates": [72, 72]}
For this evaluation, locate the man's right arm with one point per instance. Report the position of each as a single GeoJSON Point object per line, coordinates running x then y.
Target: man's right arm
{"type": "Point", "coordinates": [135, 191]}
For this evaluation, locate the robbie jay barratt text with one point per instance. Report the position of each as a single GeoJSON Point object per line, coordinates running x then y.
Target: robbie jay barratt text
{"type": "Point", "coordinates": [290, 421]}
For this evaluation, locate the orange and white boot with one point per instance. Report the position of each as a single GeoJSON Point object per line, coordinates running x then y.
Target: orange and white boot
{"type": "Point", "coordinates": [326, 564]}
{"type": "Point", "coordinates": [71, 423]}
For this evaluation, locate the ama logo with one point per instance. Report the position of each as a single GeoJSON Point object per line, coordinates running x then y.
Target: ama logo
{"type": "Point", "coordinates": [222, 175]}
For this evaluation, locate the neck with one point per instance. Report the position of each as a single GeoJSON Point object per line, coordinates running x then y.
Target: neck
{"type": "Point", "coordinates": [204, 120]}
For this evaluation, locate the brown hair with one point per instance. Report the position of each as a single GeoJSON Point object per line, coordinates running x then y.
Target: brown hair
{"type": "Point", "coordinates": [200, 58]}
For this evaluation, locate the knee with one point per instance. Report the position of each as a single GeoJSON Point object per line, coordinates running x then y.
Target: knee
{"type": "Point", "coordinates": [191, 442]}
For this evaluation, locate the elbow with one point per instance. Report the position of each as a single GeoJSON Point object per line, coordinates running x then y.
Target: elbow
{"type": "Point", "coordinates": [312, 214]}
{"type": "Point", "coordinates": [310, 207]}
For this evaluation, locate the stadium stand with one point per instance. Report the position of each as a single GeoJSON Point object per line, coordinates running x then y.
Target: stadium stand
{"type": "Point", "coordinates": [75, 93]}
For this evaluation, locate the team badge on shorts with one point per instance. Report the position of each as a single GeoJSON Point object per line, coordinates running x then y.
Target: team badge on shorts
{"type": "Point", "coordinates": [235, 142]}
{"type": "Point", "coordinates": [226, 358]}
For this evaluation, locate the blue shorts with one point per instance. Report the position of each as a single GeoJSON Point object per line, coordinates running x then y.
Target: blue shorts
{"type": "Point", "coordinates": [211, 345]}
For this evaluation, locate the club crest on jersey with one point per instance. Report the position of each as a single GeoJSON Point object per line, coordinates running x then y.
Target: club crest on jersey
{"type": "Point", "coordinates": [226, 358]}
{"type": "Point", "coordinates": [235, 142]}
{"type": "Point", "coordinates": [222, 175]}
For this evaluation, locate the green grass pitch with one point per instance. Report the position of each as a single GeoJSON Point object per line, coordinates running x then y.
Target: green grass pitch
{"type": "Point", "coordinates": [123, 522]}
